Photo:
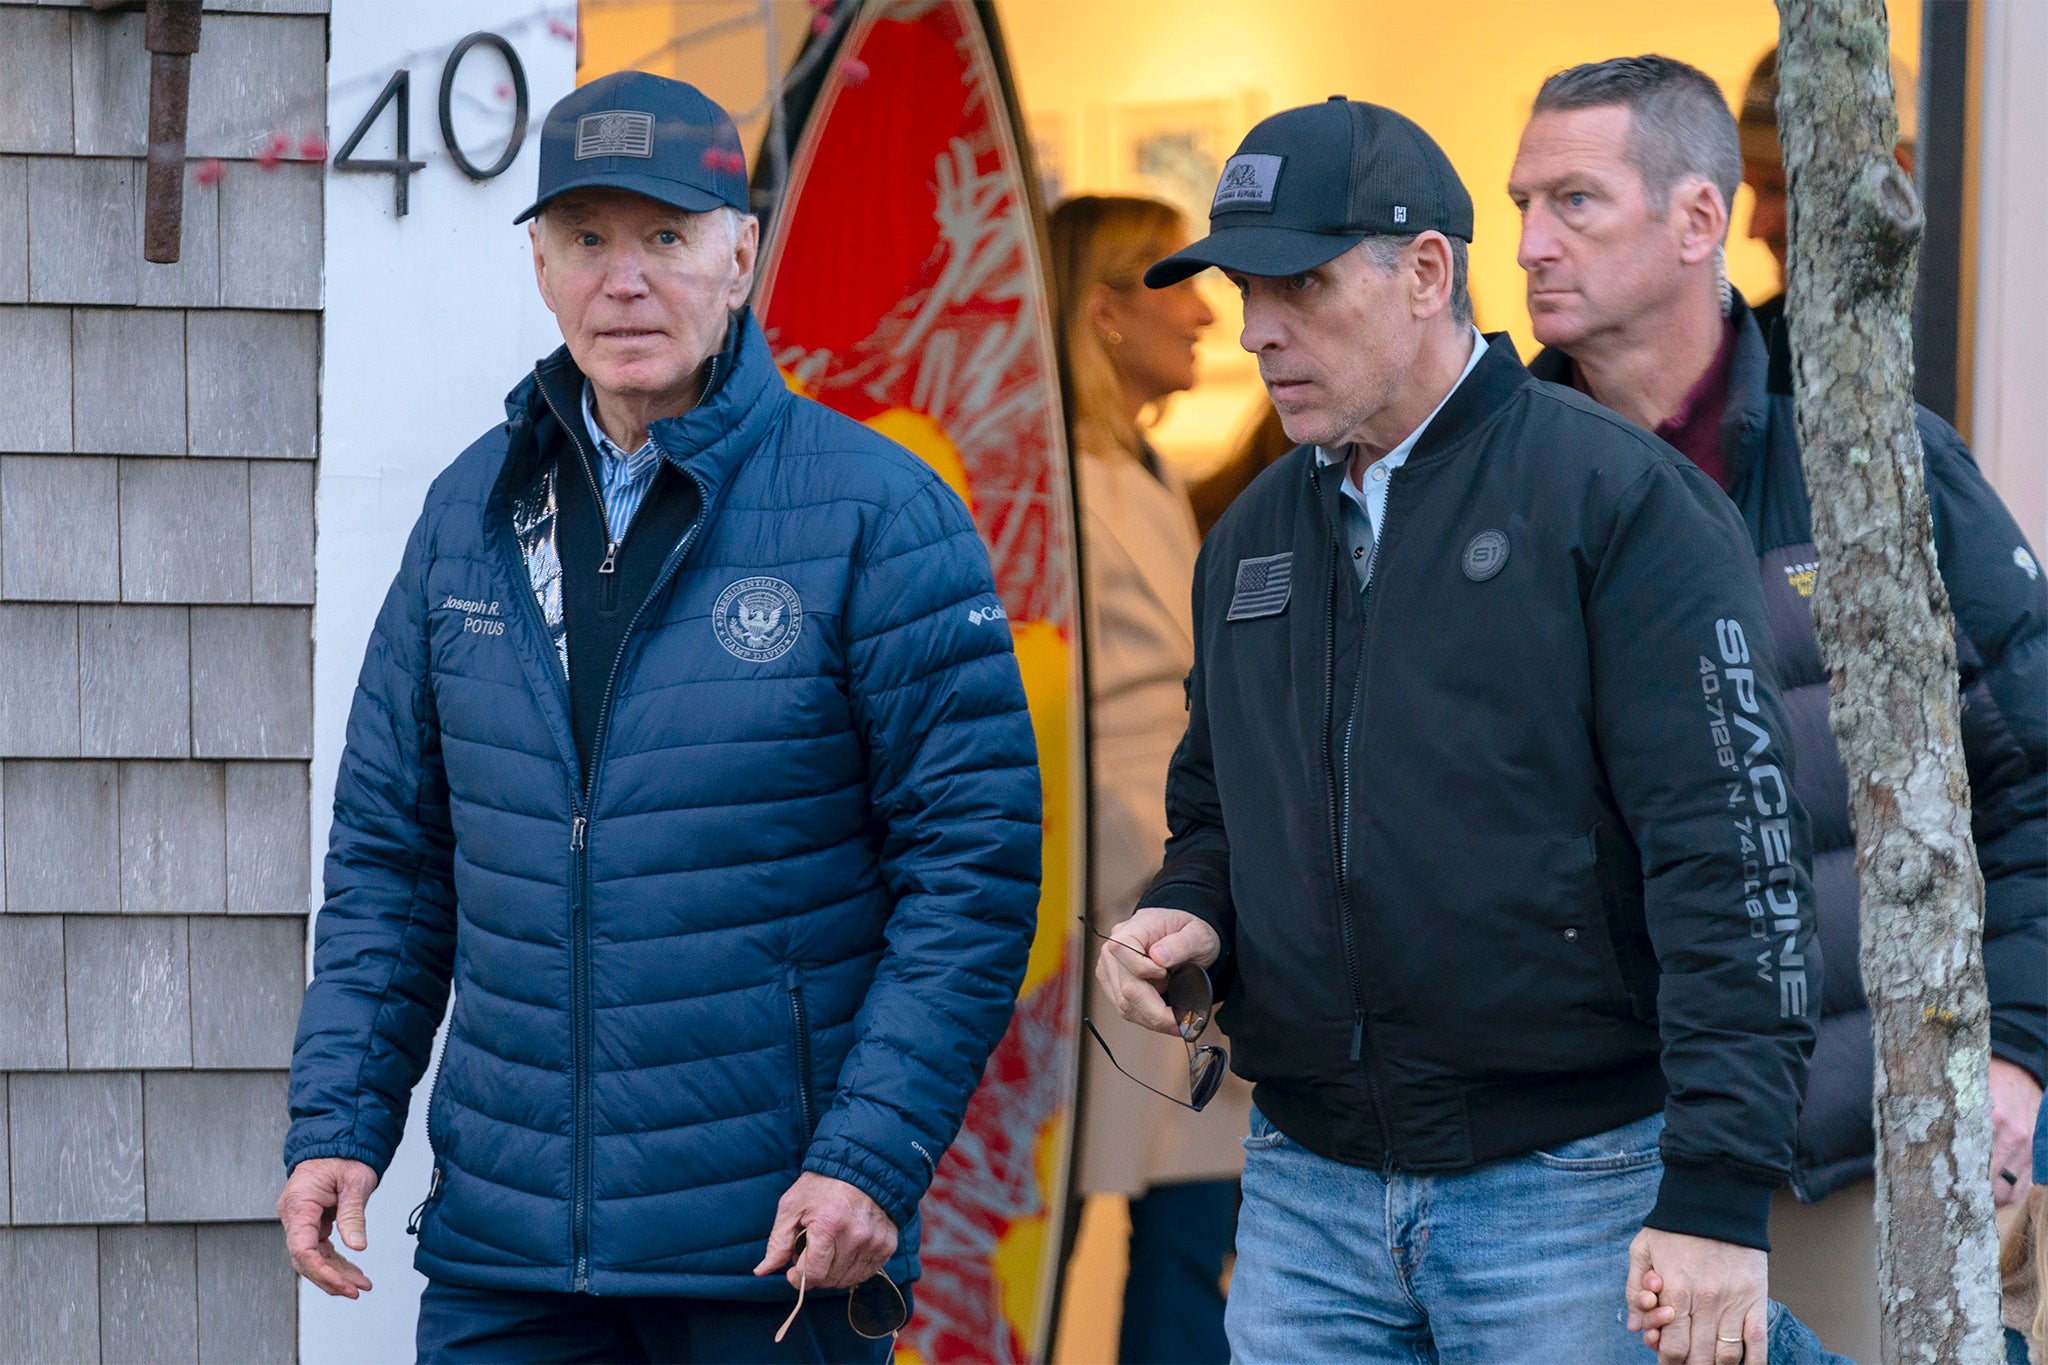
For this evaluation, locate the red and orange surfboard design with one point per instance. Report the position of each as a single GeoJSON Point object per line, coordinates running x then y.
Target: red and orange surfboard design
{"type": "Point", "coordinates": [903, 284]}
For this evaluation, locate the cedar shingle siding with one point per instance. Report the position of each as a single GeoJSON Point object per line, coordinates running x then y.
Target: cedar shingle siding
{"type": "Point", "coordinates": [157, 439]}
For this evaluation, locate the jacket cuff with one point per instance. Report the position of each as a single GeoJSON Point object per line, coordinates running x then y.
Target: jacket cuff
{"type": "Point", "coordinates": [1715, 1201]}
{"type": "Point", "coordinates": [1200, 902]}
{"type": "Point", "coordinates": [294, 1153]}
{"type": "Point", "coordinates": [845, 1158]}
{"type": "Point", "coordinates": [2012, 1042]}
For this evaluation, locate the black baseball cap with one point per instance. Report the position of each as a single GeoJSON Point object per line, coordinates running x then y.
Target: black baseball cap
{"type": "Point", "coordinates": [647, 134]}
{"type": "Point", "coordinates": [1308, 184]}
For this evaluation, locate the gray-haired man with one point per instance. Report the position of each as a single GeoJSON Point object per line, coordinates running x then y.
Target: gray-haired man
{"type": "Point", "coordinates": [1624, 177]}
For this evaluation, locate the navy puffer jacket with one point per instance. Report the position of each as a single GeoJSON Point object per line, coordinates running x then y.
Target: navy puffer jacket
{"type": "Point", "coordinates": [782, 931]}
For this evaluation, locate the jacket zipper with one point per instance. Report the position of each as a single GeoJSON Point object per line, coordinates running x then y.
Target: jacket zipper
{"type": "Point", "coordinates": [578, 843]}
{"type": "Point", "coordinates": [1340, 812]}
{"type": "Point", "coordinates": [607, 589]}
{"type": "Point", "coordinates": [419, 1211]}
{"type": "Point", "coordinates": [579, 829]}
{"type": "Point", "coordinates": [800, 1024]}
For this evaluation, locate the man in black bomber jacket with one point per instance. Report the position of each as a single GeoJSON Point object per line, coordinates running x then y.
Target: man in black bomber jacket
{"type": "Point", "coordinates": [1483, 823]}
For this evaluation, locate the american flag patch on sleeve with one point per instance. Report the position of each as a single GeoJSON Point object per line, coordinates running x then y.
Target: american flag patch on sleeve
{"type": "Point", "coordinates": [1263, 586]}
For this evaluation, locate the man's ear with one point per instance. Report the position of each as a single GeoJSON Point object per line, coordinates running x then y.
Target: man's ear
{"type": "Point", "coordinates": [1702, 216]}
{"type": "Point", "coordinates": [536, 237]}
{"type": "Point", "coordinates": [745, 254]}
{"type": "Point", "coordinates": [1429, 278]}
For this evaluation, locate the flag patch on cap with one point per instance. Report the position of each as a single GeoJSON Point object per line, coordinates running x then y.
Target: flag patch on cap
{"type": "Point", "coordinates": [1263, 586]}
{"type": "Point", "coordinates": [614, 132]}
{"type": "Point", "coordinates": [1248, 182]}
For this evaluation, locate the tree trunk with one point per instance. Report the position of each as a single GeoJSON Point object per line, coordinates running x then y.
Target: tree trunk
{"type": "Point", "coordinates": [1883, 619]}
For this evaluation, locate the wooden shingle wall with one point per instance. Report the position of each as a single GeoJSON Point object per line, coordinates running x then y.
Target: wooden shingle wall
{"type": "Point", "coordinates": [158, 431]}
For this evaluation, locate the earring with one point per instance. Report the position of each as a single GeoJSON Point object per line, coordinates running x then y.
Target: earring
{"type": "Point", "coordinates": [1113, 337]}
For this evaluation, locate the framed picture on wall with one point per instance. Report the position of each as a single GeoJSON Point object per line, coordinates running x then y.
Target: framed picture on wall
{"type": "Point", "coordinates": [1175, 151]}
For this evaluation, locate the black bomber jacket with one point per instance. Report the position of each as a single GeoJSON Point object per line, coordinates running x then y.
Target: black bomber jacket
{"type": "Point", "coordinates": [1504, 852]}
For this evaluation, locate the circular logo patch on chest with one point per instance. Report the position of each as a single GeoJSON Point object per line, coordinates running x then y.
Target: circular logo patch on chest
{"type": "Point", "coordinates": [757, 619]}
{"type": "Point", "coordinates": [1486, 556]}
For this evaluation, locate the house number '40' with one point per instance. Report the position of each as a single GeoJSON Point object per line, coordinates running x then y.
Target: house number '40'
{"type": "Point", "coordinates": [400, 166]}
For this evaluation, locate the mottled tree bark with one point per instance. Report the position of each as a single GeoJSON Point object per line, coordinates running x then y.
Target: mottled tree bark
{"type": "Point", "coordinates": [1884, 624]}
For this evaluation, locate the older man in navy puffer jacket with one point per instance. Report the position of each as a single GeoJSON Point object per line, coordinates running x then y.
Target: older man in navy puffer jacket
{"type": "Point", "coordinates": [705, 771]}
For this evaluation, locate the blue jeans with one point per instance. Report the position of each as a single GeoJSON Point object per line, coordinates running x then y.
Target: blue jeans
{"type": "Point", "coordinates": [1518, 1260]}
{"type": "Point", "coordinates": [1173, 1300]}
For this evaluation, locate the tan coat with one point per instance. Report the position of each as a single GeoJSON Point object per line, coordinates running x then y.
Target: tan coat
{"type": "Point", "coordinates": [1138, 547]}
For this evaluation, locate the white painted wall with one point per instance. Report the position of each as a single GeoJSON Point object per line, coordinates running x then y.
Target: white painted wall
{"type": "Point", "coordinates": [431, 319]}
{"type": "Point", "coordinates": [2009, 426]}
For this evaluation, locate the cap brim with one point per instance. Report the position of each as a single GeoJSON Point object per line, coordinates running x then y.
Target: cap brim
{"type": "Point", "coordinates": [674, 193]}
{"type": "Point", "coordinates": [1253, 249]}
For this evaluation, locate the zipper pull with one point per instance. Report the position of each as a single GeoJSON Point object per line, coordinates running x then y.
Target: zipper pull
{"type": "Point", "coordinates": [576, 828]}
{"type": "Point", "coordinates": [1357, 1034]}
{"type": "Point", "coordinates": [611, 558]}
{"type": "Point", "coordinates": [419, 1212]}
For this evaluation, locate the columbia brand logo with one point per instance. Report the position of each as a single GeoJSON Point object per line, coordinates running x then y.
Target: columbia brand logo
{"type": "Point", "coordinates": [1400, 213]}
{"type": "Point", "coordinates": [1263, 586]}
{"type": "Point", "coordinates": [1248, 182]}
{"type": "Point", "coordinates": [982, 615]}
{"type": "Point", "coordinates": [919, 1148]}
{"type": "Point", "coordinates": [615, 132]}
{"type": "Point", "coordinates": [1486, 555]}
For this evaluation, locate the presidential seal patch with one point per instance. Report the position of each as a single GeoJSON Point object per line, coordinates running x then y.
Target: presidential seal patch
{"type": "Point", "coordinates": [758, 619]}
{"type": "Point", "coordinates": [1486, 556]}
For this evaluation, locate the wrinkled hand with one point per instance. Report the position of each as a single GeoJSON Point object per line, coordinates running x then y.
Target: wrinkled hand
{"type": "Point", "coordinates": [1684, 1293]}
{"type": "Point", "coordinates": [2015, 1104]}
{"type": "Point", "coordinates": [1153, 942]}
{"type": "Point", "coordinates": [847, 1237]}
{"type": "Point", "coordinates": [322, 1194]}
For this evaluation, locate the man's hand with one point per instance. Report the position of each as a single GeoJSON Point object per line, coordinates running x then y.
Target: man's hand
{"type": "Point", "coordinates": [847, 1237]}
{"type": "Point", "coordinates": [2015, 1104]}
{"type": "Point", "coordinates": [324, 1193]}
{"type": "Point", "coordinates": [1133, 965]}
{"type": "Point", "coordinates": [1689, 1296]}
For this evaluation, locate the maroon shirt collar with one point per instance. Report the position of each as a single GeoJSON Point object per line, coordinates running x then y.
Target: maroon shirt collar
{"type": "Point", "coordinates": [1695, 429]}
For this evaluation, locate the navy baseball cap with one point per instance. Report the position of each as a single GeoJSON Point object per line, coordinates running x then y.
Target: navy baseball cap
{"type": "Point", "coordinates": [647, 134]}
{"type": "Point", "coordinates": [1308, 184]}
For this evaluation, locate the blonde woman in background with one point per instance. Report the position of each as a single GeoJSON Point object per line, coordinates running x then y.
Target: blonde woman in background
{"type": "Point", "coordinates": [1129, 349]}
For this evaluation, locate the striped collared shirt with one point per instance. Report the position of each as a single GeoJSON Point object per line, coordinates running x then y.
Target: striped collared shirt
{"type": "Point", "coordinates": [624, 478]}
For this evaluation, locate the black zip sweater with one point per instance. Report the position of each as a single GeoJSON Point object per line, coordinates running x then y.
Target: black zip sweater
{"type": "Point", "coordinates": [606, 576]}
{"type": "Point", "coordinates": [1506, 853]}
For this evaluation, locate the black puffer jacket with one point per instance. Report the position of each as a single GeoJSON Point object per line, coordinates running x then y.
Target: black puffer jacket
{"type": "Point", "coordinates": [1506, 854]}
{"type": "Point", "coordinates": [2001, 607]}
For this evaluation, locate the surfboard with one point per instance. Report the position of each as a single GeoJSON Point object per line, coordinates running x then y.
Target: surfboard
{"type": "Point", "coordinates": [904, 284]}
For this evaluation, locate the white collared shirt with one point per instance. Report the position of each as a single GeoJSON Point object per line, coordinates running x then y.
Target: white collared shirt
{"type": "Point", "coordinates": [1366, 508]}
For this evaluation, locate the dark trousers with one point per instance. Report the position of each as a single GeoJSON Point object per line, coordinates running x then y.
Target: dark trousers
{"type": "Point", "coordinates": [1173, 1300]}
{"type": "Point", "coordinates": [488, 1325]}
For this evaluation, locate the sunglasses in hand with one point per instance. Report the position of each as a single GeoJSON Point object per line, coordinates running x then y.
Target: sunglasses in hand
{"type": "Point", "coordinates": [1189, 996]}
{"type": "Point", "coordinates": [874, 1308]}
